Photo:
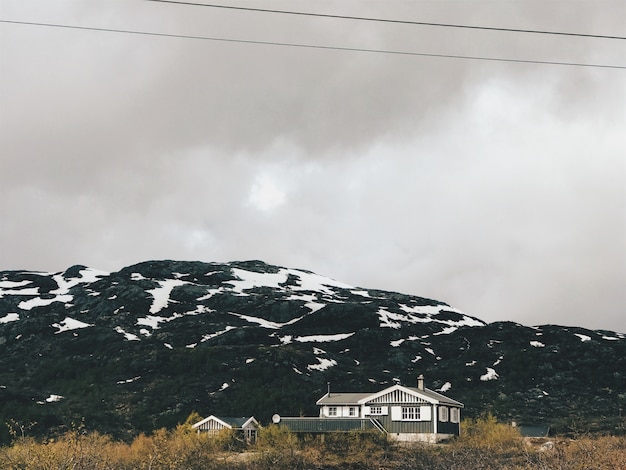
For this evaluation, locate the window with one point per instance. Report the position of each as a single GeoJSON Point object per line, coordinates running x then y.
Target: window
{"type": "Point", "coordinates": [376, 410]}
{"type": "Point", "coordinates": [454, 415]}
{"type": "Point", "coordinates": [410, 413]}
{"type": "Point", "coordinates": [332, 411]}
{"type": "Point", "coordinates": [443, 414]}
{"type": "Point", "coordinates": [352, 411]}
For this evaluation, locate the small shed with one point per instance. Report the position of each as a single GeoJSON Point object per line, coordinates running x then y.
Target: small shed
{"type": "Point", "coordinates": [248, 427]}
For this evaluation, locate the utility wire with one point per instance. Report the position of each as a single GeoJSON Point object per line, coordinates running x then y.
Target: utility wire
{"type": "Point", "coordinates": [383, 20]}
{"type": "Point", "coordinates": [312, 46]}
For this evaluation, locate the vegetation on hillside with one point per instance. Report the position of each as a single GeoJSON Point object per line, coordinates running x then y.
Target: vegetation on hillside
{"type": "Point", "coordinates": [207, 345]}
{"type": "Point", "coordinates": [485, 444]}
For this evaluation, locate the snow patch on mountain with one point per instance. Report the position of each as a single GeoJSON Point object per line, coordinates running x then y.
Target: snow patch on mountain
{"type": "Point", "coordinates": [287, 339]}
{"type": "Point", "coordinates": [31, 291]}
{"type": "Point", "coordinates": [8, 287]}
{"type": "Point", "coordinates": [314, 307]}
{"type": "Point", "coordinates": [315, 282]}
{"type": "Point", "coordinates": [323, 338]}
{"type": "Point", "coordinates": [398, 342]}
{"type": "Point", "coordinates": [85, 276]}
{"type": "Point", "coordinates": [210, 293]}
{"type": "Point", "coordinates": [362, 293]}
{"type": "Point", "coordinates": [389, 319]}
{"type": "Point", "coordinates": [128, 336]}
{"type": "Point", "coordinates": [217, 333]}
{"type": "Point", "coordinates": [306, 281]}
{"type": "Point", "coordinates": [610, 338]}
{"type": "Point", "coordinates": [424, 314]}
{"type": "Point", "coordinates": [265, 323]}
{"type": "Point", "coordinates": [41, 302]}
{"type": "Point", "coordinates": [60, 294]}
{"type": "Point", "coordinates": [431, 310]}
{"type": "Point", "coordinates": [323, 364]}
{"type": "Point", "coordinates": [259, 321]}
{"type": "Point", "coordinates": [151, 320]}
{"type": "Point", "coordinates": [583, 338]}
{"type": "Point", "coordinates": [446, 331]}
{"type": "Point", "coordinates": [51, 399]}
{"type": "Point", "coordinates": [161, 294]}
{"type": "Point", "coordinates": [128, 381]}
{"type": "Point", "coordinates": [250, 280]}
{"type": "Point", "coordinates": [5, 284]}
{"type": "Point", "coordinates": [309, 299]}
{"type": "Point", "coordinates": [69, 324]}
{"type": "Point", "coordinates": [491, 374]}
{"type": "Point", "coordinates": [9, 317]}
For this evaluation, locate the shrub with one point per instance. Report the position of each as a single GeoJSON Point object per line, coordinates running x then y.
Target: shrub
{"type": "Point", "coordinates": [278, 448]}
{"type": "Point", "coordinates": [484, 445]}
{"type": "Point", "coordinates": [486, 433]}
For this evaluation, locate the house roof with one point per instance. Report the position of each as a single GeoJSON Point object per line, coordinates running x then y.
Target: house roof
{"type": "Point", "coordinates": [336, 398]}
{"type": "Point", "coordinates": [357, 399]}
{"type": "Point", "coordinates": [233, 423]}
{"type": "Point", "coordinates": [441, 399]}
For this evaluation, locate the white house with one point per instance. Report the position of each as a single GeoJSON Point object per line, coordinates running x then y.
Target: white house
{"type": "Point", "coordinates": [213, 425]}
{"type": "Point", "coordinates": [403, 413]}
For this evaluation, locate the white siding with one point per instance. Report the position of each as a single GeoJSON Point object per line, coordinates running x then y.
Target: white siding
{"type": "Point", "coordinates": [211, 426]}
{"type": "Point", "coordinates": [398, 396]}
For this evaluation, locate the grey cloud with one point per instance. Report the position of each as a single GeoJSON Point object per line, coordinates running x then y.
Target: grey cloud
{"type": "Point", "coordinates": [496, 187]}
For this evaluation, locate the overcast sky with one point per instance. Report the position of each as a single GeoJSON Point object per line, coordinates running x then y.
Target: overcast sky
{"type": "Point", "coordinates": [497, 187]}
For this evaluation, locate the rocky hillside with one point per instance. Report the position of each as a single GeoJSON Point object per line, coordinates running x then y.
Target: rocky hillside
{"type": "Point", "coordinates": [143, 347]}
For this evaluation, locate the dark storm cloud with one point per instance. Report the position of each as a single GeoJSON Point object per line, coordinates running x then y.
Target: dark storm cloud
{"type": "Point", "coordinates": [496, 187]}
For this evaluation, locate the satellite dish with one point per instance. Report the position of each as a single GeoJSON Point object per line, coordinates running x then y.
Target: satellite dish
{"type": "Point", "coordinates": [276, 418]}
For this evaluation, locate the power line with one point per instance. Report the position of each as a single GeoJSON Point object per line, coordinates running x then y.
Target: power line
{"type": "Point", "coordinates": [383, 20]}
{"type": "Point", "coordinates": [312, 46]}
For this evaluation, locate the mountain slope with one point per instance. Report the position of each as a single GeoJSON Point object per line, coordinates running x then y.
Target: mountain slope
{"type": "Point", "coordinates": [142, 347]}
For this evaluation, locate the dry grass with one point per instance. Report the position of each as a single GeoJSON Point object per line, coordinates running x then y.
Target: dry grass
{"type": "Point", "coordinates": [484, 445]}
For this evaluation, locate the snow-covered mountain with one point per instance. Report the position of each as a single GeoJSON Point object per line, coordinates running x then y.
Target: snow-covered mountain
{"type": "Point", "coordinates": [160, 297]}
{"type": "Point", "coordinates": [144, 346]}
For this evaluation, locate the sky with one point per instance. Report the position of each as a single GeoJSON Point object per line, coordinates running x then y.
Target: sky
{"type": "Point", "coordinates": [497, 186]}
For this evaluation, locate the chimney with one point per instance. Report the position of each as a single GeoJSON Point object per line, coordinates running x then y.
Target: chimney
{"type": "Point", "coordinates": [328, 383]}
{"type": "Point", "coordinates": [420, 382]}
